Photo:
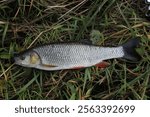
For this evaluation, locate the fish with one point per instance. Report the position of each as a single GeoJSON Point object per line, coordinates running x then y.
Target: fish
{"type": "Point", "coordinates": [75, 55]}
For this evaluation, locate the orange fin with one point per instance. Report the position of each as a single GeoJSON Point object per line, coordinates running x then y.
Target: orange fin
{"type": "Point", "coordinates": [78, 67]}
{"type": "Point", "coordinates": [102, 64]}
{"type": "Point", "coordinates": [48, 65]}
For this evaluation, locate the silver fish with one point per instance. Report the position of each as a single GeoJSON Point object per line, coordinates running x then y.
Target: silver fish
{"type": "Point", "coordinates": [60, 56]}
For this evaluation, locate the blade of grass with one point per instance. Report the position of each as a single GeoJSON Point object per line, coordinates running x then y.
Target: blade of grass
{"type": "Point", "coordinates": [4, 33]}
{"type": "Point", "coordinates": [28, 84]}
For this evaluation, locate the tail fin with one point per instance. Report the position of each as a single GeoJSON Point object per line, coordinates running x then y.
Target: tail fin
{"type": "Point", "coordinates": [129, 50]}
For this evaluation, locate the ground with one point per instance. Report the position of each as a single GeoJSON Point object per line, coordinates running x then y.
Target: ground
{"type": "Point", "coordinates": [29, 23]}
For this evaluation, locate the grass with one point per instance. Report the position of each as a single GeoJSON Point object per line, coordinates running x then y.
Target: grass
{"type": "Point", "coordinates": [26, 23]}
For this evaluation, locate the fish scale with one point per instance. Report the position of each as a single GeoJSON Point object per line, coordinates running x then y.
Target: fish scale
{"type": "Point", "coordinates": [76, 55]}
{"type": "Point", "coordinates": [59, 54]}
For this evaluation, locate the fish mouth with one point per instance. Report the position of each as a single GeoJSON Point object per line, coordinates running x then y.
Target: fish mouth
{"type": "Point", "coordinates": [17, 61]}
{"type": "Point", "coordinates": [20, 64]}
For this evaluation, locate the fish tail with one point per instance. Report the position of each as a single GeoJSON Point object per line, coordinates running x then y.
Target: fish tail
{"type": "Point", "coordinates": [129, 50]}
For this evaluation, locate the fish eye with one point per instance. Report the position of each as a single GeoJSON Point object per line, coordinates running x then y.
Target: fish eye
{"type": "Point", "coordinates": [22, 57]}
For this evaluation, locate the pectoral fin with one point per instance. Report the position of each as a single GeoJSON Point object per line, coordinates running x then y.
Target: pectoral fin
{"type": "Point", "coordinates": [48, 65]}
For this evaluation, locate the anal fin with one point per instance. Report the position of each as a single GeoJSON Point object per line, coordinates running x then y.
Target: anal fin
{"type": "Point", "coordinates": [102, 64]}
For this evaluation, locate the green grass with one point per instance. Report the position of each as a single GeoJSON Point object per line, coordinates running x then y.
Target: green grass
{"type": "Point", "coordinates": [27, 23]}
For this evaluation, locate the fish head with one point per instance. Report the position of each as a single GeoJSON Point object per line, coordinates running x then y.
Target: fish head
{"type": "Point", "coordinates": [27, 59]}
